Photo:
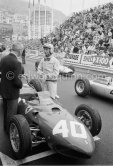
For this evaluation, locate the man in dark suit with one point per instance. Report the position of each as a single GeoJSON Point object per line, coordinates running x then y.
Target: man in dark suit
{"type": "Point", "coordinates": [11, 70]}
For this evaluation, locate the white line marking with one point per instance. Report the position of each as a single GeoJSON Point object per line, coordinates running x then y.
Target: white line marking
{"type": "Point", "coordinates": [96, 138]}
{"type": "Point", "coordinates": [36, 156]}
{"type": "Point", "coordinates": [7, 161]}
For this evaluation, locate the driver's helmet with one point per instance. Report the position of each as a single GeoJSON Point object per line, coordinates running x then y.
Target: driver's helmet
{"type": "Point", "coordinates": [50, 46]}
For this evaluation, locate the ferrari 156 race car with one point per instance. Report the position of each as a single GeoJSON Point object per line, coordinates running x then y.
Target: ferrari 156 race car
{"type": "Point", "coordinates": [64, 70]}
{"type": "Point", "coordinates": [100, 86]}
{"type": "Point", "coordinates": [41, 119]}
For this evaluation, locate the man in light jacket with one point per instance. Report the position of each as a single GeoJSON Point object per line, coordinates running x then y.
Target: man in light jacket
{"type": "Point", "coordinates": [48, 71]}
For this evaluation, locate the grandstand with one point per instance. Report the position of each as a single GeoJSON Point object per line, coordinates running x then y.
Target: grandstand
{"type": "Point", "coordinates": [91, 31]}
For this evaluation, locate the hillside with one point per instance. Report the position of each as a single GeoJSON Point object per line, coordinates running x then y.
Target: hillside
{"type": "Point", "coordinates": [21, 7]}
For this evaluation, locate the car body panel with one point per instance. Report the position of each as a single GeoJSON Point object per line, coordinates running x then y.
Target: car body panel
{"type": "Point", "coordinates": [83, 143]}
{"type": "Point", "coordinates": [27, 91]}
{"type": "Point", "coordinates": [104, 89]}
{"type": "Point", "coordinates": [63, 131]}
{"type": "Point", "coordinates": [64, 69]}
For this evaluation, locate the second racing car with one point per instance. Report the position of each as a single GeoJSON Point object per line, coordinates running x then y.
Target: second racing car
{"type": "Point", "coordinates": [100, 86]}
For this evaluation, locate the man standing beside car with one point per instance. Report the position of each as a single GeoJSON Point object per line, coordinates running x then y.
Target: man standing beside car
{"type": "Point", "coordinates": [11, 70]}
{"type": "Point", "coordinates": [48, 71]}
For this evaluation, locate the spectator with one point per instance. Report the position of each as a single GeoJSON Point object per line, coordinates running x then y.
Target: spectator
{"type": "Point", "coordinates": [75, 49]}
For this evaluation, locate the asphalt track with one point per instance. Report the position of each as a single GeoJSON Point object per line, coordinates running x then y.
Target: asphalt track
{"type": "Point", "coordinates": [103, 154]}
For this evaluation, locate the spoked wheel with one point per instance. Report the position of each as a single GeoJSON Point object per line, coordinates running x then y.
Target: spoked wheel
{"type": "Point", "coordinates": [85, 117]}
{"type": "Point", "coordinates": [82, 87]}
{"type": "Point", "coordinates": [90, 117]}
{"type": "Point", "coordinates": [20, 136]}
{"type": "Point", "coordinates": [14, 137]}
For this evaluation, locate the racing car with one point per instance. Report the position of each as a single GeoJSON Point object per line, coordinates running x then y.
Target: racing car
{"type": "Point", "coordinates": [41, 120]}
{"type": "Point", "coordinates": [100, 86]}
{"type": "Point", "coordinates": [64, 70]}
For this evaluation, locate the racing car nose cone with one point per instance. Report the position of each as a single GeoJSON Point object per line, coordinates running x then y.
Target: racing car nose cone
{"type": "Point", "coordinates": [89, 148]}
{"type": "Point", "coordinates": [84, 146]}
{"type": "Point", "coordinates": [85, 150]}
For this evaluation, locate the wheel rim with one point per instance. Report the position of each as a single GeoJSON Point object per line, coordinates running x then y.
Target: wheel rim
{"type": "Point", "coordinates": [14, 137]}
{"type": "Point", "coordinates": [85, 117]}
{"type": "Point", "coordinates": [80, 86]}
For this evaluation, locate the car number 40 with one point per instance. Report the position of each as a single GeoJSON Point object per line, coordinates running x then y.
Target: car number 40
{"type": "Point", "coordinates": [76, 129]}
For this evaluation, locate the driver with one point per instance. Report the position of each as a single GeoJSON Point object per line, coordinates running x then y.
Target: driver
{"type": "Point", "coordinates": [48, 71]}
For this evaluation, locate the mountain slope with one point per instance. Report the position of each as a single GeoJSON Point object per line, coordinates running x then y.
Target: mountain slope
{"type": "Point", "coordinates": [21, 7]}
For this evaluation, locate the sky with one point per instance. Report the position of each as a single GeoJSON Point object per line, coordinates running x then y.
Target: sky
{"type": "Point", "coordinates": [69, 6]}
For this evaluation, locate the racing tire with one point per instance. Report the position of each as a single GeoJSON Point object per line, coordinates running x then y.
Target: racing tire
{"type": "Point", "coordinates": [90, 117]}
{"type": "Point", "coordinates": [19, 130]}
{"type": "Point", "coordinates": [82, 87]}
{"type": "Point", "coordinates": [36, 84]}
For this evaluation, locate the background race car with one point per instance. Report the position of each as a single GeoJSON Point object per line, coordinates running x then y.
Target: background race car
{"type": "Point", "coordinates": [100, 86]}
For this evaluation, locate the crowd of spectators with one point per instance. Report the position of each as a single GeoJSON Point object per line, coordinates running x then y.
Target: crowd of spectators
{"type": "Point", "coordinates": [87, 32]}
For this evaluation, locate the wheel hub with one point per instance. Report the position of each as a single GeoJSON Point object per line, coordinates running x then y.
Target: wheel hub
{"type": "Point", "coordinates": [80, 86]}
{"type": "Point", "coordinates": [14, 137]}
{"type": "Point", "coordinates": [85, 117]}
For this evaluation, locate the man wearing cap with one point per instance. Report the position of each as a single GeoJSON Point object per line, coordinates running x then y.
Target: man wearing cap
{"type": "Point", "coordinates": [48, 71]}
{"type": "Point", "coordinates": [11, 70]}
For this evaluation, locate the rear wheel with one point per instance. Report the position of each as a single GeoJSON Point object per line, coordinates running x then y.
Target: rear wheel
{"type": "Point", "coordinates": [20, 136]}
{"type": "Point", "coordinates": [82, 87]}
{"type": "Point", "coordinates": [90, 117]}
{"type": "Point", "coordinates": [36, 84]}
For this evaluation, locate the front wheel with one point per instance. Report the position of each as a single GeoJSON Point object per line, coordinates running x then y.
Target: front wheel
{"type": "Point", "coordinates": [20, 136]}
{"type": "Point", "coordinates": [82, 87]}
{"type": "Point", "coordinates": [90, 117]}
